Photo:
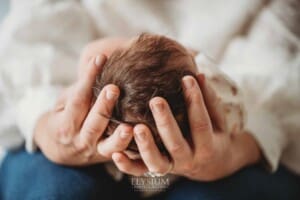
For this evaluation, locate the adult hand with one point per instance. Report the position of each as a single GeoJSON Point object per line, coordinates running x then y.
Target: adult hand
{"type": "Point", "coordinates": [69, 134]}
{"type": "Point", "coordinates": [210, 156]}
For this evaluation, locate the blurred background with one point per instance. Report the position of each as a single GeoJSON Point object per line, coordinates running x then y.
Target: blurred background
{"type": "Point", "coordinates": [4, 4]}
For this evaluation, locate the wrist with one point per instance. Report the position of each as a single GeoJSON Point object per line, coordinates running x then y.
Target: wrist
{"type": "Point", "coordinates": [245, 150]}
{"type": "Point", "coordinates": [39, 130]}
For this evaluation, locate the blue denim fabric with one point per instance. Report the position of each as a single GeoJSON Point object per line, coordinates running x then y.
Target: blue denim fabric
{"type": "Point", "coordinates": [33, 177]}
{"type": "Point", "coordinates": [251, 183]}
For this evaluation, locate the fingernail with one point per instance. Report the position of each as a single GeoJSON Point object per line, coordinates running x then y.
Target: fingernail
{"type": "Point", "coordinates": [140, 135]}
{"type": "Point", "coordinates": [157, 107]}
{"type": "Point", "coordinates": [188, 82]}
{"type": "Point", "coordinates": [110, 95]}
{"type": "Point", "coordinates": [98, 61]}
{"type": "Point", "coordinates": [124, 135]}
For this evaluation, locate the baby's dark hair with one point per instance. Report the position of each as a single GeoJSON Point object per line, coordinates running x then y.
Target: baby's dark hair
{"type": "Point", "coordinates": [152, 65]}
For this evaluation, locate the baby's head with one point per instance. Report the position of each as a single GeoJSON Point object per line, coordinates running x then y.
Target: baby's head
{"type": "Point", "coordinates": [151, 65]}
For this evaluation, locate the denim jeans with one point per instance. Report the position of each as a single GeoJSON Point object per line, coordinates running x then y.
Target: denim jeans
{"type": "Point", "coordinates": [33, 177]}
{"type": "Point", "coordinates": [26, 176]}
{"type": "Point", "coordinates": [248, 184]}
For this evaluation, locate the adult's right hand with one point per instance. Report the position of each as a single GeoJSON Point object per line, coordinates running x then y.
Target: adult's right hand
{"type": "Point", "coordinates": [70, 133]}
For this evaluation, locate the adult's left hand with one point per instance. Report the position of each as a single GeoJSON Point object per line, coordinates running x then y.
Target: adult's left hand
{"type": "Point", "coordinates": [210, 156]}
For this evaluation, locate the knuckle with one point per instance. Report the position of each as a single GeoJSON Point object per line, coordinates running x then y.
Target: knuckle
{"type": "Point", "coordinates": [193, 97]}
{"type": "Point", "coordinates": [196, 95]}
{"type": "Point", "coordinates": [103, 107]}
{"type": "Point", "coordinates": [188, 99]}
{"type": "Point", "coordinates": [176, 149]}
{"type": "Point", "coordinates": [145, 146]}
{"type": "Point", "coordinates": [159, 169]}
{"type": "Point", "coordinates": [164, 120]}
{"type": "Point", "coordinates": [79, 93]}
{"type": "Point", "coordinates": [79, 101]}
{"type": "Point", "coordinates": [106, 110]}
{"type": "Point", "coordinates": [188, 167]}
{"type": "Point", "coordinates": [119, 145]}
{"type": "Point", "coordinates": [91, 130]}
{"type": "Point", "coordinates": [201, 126]}
{"type": "Point", "coordinates": [96, 122]}
{"type": "Point", "coordinates": [88, 156]}
{"type": "Point", "coordinates": [65, 133]}
{"type": "Point", "coordinates": [104, 151]}
{"type": "Point", "coordinates": [83, 147]}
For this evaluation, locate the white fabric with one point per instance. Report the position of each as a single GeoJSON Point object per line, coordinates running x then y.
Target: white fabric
{"type": "Point", "coordinates": [266, 64]}
{"type": "Point", "coordinates": [224, 98]}
{"type": "Point", "coordinates": [40, 42]}
{"type": "Point", "coordinates": [43, 99]}
{"type": "Point", "coordinates": [36, 54]}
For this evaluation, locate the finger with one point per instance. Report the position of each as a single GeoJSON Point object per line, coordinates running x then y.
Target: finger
{"type": "Point", "coordinates": [169, 131]}
{"type": "Point", "coordinates": [117, 142]}
{"type": "Point", "coordinates": [201, 81]}
{"type": "Point", "coordinates": [124, 164]}
{"type": "Point", "coordinates": [199, 120]}
{"type": "Point", "coordinates": [149, 152]}
{"type": "Point", "coordinates": [84, 64]}
{"type": "Point", "coordinates": [80, 98]}
{"type": "Point", "coordinates": [97, 119]}
{"type": "Point", "coordinates": [94, 63]}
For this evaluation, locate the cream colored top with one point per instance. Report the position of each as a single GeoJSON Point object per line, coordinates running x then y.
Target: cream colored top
{"type": "Point", "coordinates": [257, 45]}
